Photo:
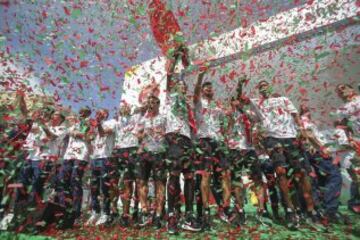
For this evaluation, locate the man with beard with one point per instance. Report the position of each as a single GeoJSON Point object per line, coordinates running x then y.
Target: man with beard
{"type": "Point", "coordinates": [279, 121]}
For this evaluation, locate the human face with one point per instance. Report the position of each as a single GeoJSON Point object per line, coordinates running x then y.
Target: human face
{"type": "Point", "coordinates": [36, 115]}
{"type": "Point", "coordinates": [101, 114]}
{"type": "Point", "coordinates": [264, 89]}
{"type": "Point", "coordinates": [153, 103]}
{"type": "Point", "coordinates": [344, 92]}
{"type": "Point", "coordinates": [56, 118]}
{"type": "Point", "coordinates": [84, 113]}
{"type": "Point", "coordinates": [181, 87]}
{"type": "Point", "coordinates": [125, 110]}
{"type": "Point", "coordinates": [71, 120]}
{"type": "Point", "coordinates": [235, 103]}
{"type": "Point", "coordinates": [207, 91]}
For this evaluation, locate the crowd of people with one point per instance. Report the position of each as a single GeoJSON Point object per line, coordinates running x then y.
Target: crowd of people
{"type": "Point", "coordinates": [214, 144]}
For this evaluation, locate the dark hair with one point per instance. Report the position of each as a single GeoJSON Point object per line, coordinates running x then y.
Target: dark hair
{"type": "Point", "coordinates": [262, 82]}
{"type": "Point", "coordinates": [206, 84]}
{"type": "Point", "coordinates": [341, 85]}
{"type": "Point", "coordinates": [154, 97]}
{"type": "Point", "coordinates": [62, 116]}
{"type": "Point", "coordinates": [48, 110]}
{"type": "Point", "coordinates": [85, 109]}
{"type": "Point", "coordinates": [303, 109]}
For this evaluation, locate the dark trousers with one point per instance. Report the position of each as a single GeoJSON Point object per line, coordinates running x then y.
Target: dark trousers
{"type": "Point", "coordinates": [101, 170]}
{"type": "Point", "coordinates": [354, 200]}
{"type": "Point", "coordinates": [70, 187]}
{"type": "Point", "coordinates": [327, 184]}
{"type": "Point", "coordinates": [31, 174]}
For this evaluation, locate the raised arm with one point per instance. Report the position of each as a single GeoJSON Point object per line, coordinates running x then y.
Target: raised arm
{"type": "Point", "coordinates": [239, 89]}
{"type": "Point", "coordinates": [197, 91]}
{"type": "Point", "coordinates": [298, 122]}
{"type": "Point", "coordinates": [169, 77]}
{"type": "Point", "coordinates": [22, 104]}
{"type": "Point", "coordinates": [48, 132]}
{"type": "Point", "coordinates": [104, 131]}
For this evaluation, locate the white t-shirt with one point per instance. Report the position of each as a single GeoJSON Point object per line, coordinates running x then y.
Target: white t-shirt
{"type": "Point", "coordinates": [102, 146]}
{"type": "Point", "coordinates": [154, 132]}
{"type": "Point", "coordinates": [208, 119]}
{"type": "Point", "coordinates": [335, 138]}
{"type": "Point", "coordinates": [77, 148]}
{"type": "Point", "coordinates": [36, 142]}
{"type": "Point", "coordinates": [308, 124]}
{"type": "Point", "coordinates": [275, 115]}
{"type": "Point", "coordinates": [332, 138]}
{"type": "Point", "coordinates": [125, 131]}
{"type": "Point", "coordinates": [351, 111]}
{"type": "Point", "coordinates": [54, 145]}
{"type": "Point", "coordinates": [238, 139]}
{"type": "Point", "coordinates": [177, 118]}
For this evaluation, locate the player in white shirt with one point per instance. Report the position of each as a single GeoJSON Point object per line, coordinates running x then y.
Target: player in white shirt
{"type": "Point", "coordinates": [56, 131]}
{"type": "Point", "coordinates": [209, 119]}
{"type": "Point", "coordinates": [279, 121]}
{"type": "Point", "coordinates": [242, 157]}
{"type": "Point", "coordinates": [179, 154]}
{"type": "Point", "coordinates": [327, 172]}
{"type": "Point", "coordinates": [102, 168]}
{"type": "Point", "coordinates": [36, 144]}
{"type": "Point", "coordinates": [349, 113]}
{"type": "Point", "coordinates": [75, 161]}
{"type": "Point", "coordinates": [151, 160]}
{"type": "Point", "coordinates": [125, 154]}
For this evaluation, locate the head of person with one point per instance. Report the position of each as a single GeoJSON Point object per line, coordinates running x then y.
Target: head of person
{"type": "Point", "coordinates": [181, 87]}
{"type": "Point", "coordinates": [36, 115]}
{"type": "Point", "coordinates": [235, 103]}
{"type": "Point", "coordinates": [265, 89]}
{"type": "Point", "coordinates": [42, 114]}
{"type": "Point", "coordinates": [207, 90]}
{"type": "Point", "coordinates": [345, 91]}
{"type": "Point", "coordinates": [47, 113]}
{"type": "Point", "coordinates": [57, 118]}
{"type": "Point", "coordinates": [84, 112]}
{"type": "Point", "coordinates": [102, 114]}
{"type": "Point", "coordinates": [304, 110]}
{"type": "Point", "coordinates": [153, 103]}
{"type": "Point", "coordinates": [124, 109]}
{"type": "Point", "coordinates": [71, 120]}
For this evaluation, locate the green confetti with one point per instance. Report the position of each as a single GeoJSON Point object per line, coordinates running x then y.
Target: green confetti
{"type": "Point", "coordinates": [322, 55]}
{"type": "Point", "coordinates": [141, 10]}
{"type": "Point", "coordinates": [76, 13]}
{"type": "Point", "coordinates": [2, 41]}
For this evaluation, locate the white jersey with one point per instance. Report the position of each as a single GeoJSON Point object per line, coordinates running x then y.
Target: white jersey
{"type": "Point", "coordinates": [125, 131]}
{"type": "Point", "coordinates": [102, 146]}
{"type": "Point", "coordinates": [208, 119]}
{"type": "Point", "coordinates": [332, 138]}
{"type": "Point", "coordinates": [55, 144]}
{"type": "Point", "coordinates": [308, 124]}
{"type": "Point", "coordinates": [351, 111]}
{"type": "Point", "coordinates": [177, 116]}
{"type": "Point", "coordinates": [77, 148]}
{"type": "Point", "coordinates": [154, 131]}
{"type": "Point", "coordinates": [336, 138]}
{"type": "Point", "coordinates": [275, 115]}
{"type": "Point", "coordinates": [238, 139]}
{"type": "Point", "coordinates": [36, 142]}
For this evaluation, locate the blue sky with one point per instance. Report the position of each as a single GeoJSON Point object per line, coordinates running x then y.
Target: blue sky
{"type": "Point", "coordinates": [79, 50]}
